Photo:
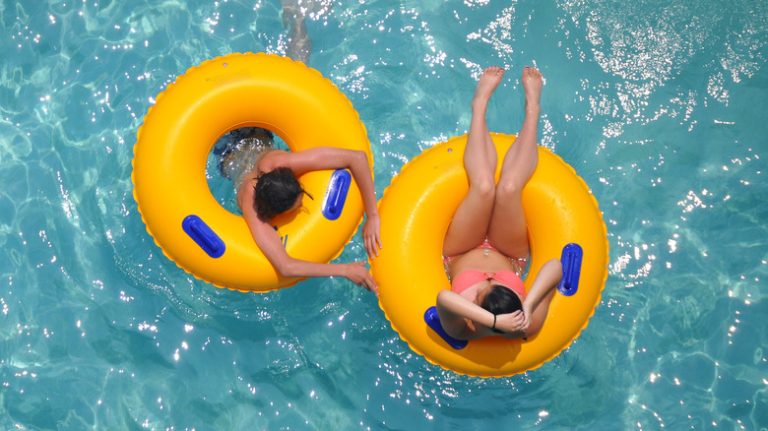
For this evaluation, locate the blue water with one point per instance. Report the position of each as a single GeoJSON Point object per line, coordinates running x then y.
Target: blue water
{"type": "Point", "coordinates": [661, 106]}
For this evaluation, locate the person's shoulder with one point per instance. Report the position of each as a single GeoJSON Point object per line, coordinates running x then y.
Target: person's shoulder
{"type": "Point", "coordinates": [246, 190]}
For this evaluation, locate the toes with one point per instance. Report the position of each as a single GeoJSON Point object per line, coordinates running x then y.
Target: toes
{"type": "Point", "coordinates": [531, 72]}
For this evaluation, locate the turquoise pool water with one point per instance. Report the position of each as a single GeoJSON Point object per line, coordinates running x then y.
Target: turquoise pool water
{"type": "Point", "coordinates": [660, 106]}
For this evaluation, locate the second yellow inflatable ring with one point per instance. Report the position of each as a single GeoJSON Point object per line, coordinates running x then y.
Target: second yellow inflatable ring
{"type": "Point", "coordinates": [244, 90]}
{"type": "Point", "coordinates": [416, 210]}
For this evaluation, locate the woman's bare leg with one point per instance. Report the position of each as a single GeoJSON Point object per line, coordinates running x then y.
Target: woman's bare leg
{"type": "Point", "coordinates": [299, 44]}
{"type": "Point", "coordinates": [508, 231]}
{"type": "Point", "coordinates": [470, 222]}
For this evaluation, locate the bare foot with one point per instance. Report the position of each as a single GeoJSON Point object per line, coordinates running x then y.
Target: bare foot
{"type": "Point", "coordinates": [532, 81]}
{"type": "Point", "coordinates": [488, 82]}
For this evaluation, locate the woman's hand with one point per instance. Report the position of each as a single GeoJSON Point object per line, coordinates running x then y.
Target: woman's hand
{"type": "Point", "coordinates": [372, 235]}
{"type": "Point", "coordinates": [512, 322]}
{"type": "Point", "coordinates": [357, 273]}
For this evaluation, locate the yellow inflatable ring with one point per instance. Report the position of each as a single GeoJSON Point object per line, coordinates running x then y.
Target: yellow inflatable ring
{"type": "Point", "coordinates": [244, 90]}
{"type": "Point", "coordinates": [416, 210]}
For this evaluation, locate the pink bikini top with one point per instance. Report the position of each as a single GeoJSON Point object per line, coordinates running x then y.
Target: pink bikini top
{"type": "Point", "coordinates": [470, 277]}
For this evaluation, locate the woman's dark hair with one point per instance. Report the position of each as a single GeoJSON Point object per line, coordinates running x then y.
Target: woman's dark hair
{"type": "Point", "coordinates": [276, 192]}
{"type": "Point", "coordinates": [501, 300]}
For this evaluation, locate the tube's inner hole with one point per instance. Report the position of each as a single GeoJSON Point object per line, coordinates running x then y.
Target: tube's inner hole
{"type": "Point", "coordinates": [232, 159]}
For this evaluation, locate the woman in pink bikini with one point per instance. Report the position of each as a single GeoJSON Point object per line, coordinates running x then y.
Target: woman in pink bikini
{"type": "Point", "coordinates": [486, 246]}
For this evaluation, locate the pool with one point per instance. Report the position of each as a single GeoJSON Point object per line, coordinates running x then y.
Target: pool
{"type": "Point", "coordinates": [660, 106]}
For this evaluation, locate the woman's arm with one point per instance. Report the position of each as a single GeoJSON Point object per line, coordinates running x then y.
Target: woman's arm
{"type": "Point", "coordinates": [456, 314]}
{"type": "Point", "coordinates": [537, 301]}
{"type": "Point", "coordinates": [269, 242]}
{"type": "Point", "coordinates": [321, 158]}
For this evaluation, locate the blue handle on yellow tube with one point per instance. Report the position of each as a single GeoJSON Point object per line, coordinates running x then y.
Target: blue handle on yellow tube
{"type": "Point", "coordinates": [203, 235]}
{"type": "Point", "coordinates": [571, 260]}
{"type": "Point", "coordinates": [433, 321]}
{"type": "Point", "coordinates": [336, 195]}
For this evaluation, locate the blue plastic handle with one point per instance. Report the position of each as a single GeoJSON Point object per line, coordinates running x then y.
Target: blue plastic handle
{"type": "Point", "coordinates": [203, 235]}
{"type": "Point", "coordinates": [336, 195]}
{"type": "Point", "coordinates": [571, 260]}
{"type": "Point", "coordinates": [433, 321]}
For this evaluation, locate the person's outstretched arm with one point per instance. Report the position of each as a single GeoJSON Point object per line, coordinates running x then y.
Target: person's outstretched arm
{"type": "Point", "coordinates": [269, 242]}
